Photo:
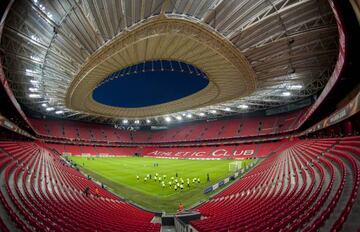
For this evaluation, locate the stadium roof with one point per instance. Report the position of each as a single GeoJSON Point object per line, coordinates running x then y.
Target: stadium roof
{"type": "Point", "coordinates": [256, 54]}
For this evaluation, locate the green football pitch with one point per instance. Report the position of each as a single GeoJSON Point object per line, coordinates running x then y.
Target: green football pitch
{"type": "Point", "coordinates": [120, 174]}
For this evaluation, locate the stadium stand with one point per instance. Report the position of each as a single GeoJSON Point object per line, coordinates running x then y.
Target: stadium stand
{"type": "Point", "coordinates": [43, 193]}
{"type": "Point", "coordinates": [91, 150]}
{"type": "Point", "coordinates": [300, 116]}
{"type": "Point", "coordinates": [297, 187]}
{"type": "Point", "coordinates": [213, 130]}
{"type": "Point", "coordinates": [313, 183]}
{"type": "Point", "coordinates": [218, 152]}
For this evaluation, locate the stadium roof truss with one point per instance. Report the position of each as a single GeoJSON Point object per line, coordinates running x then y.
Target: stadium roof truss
{"type": "Point", "coordinates": [289, 46]}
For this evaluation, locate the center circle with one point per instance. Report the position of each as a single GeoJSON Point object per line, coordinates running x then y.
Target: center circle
{"type": "Point", "coordinates": [150, 83]}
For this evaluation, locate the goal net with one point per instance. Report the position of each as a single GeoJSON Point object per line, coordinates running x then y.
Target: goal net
{"type": "Point", "coordinates": [235, 166]}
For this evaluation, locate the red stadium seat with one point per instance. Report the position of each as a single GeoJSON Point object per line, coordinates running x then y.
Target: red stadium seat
{"type": "Point", "coordinates": [297, 189]}
{"type": "Point", "coordinates": [43, 193]}
{"type": "Point", "coordinates": [214, 130]}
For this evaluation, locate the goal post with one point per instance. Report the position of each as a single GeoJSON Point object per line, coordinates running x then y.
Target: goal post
{"type": "Point", "coordinates": [235, 166]}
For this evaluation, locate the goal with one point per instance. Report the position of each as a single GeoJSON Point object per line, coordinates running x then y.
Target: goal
{"type": "Point", "coordinates": [235, 166]}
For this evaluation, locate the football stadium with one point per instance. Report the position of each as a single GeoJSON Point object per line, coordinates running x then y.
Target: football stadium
{"type": "Point", "coordinates": [179, 115]}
